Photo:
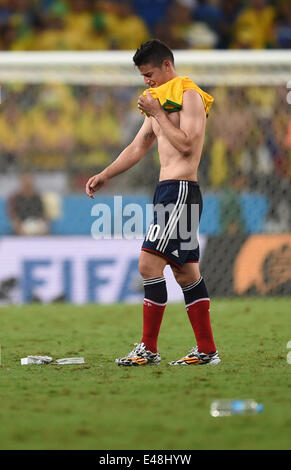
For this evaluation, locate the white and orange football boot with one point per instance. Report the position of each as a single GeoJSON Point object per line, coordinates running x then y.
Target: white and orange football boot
{"type": "Point", "coordinates": [139, 356]}
{"type": "Point", "coordinates": [196, 358]}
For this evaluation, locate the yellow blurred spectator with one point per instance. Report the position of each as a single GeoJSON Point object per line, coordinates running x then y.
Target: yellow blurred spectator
{"type": "Point", "coordinates": [52, 137]}
{"type": "Point", "coordinates": [218, 166]}
{"type": "Point", "coordinates": [53, 39]}
{"type": "Point", "coordinates": [14, 128]}
{"type": "Point", "coordinates": [263, 100]}
{"type": "Point", "coordinates": [58, 95]}
{"type": "Point", "coordinates": [79, 28]}
{"type": "Point", "coordinates": [78, 17]}
{"type": "Point", "coordinates": [253, 26]}
{"type": "Point", "coordinates": [125, 29]}
{"type": "Point", "coordinates": [86, 124]}
{"type": "Point", "coordinates": [96, 130]}
{"type": "Point", "coordinates": [70, 29]}
{"type": "Point", "coordinates": [96, 122]}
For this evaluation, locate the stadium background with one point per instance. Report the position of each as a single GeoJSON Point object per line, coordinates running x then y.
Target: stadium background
{"type": "Point", "coordinates": [68, 106]}
{"type": "Point", "coordinates": [54, 135]}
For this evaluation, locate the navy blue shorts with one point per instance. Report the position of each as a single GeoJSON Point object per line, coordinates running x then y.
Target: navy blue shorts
{"type": "Point", "coordinates": [176, 215]}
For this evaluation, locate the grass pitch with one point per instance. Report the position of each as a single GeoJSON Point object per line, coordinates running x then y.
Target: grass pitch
{"type": "Point", "coordinates": [99, 405]}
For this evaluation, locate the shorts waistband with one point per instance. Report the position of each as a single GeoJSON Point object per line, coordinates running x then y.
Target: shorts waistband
{"type": "Point", "coordinates": [192, 183]}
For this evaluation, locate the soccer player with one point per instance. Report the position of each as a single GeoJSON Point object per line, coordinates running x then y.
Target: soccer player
{"type": "Point", "coordinates": [175, 112]}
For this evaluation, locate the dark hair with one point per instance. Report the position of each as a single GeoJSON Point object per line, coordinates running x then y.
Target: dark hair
{"type": "Point", "coordinates": [154, 52]}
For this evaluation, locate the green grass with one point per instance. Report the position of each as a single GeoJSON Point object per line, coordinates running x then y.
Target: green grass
{"type": "Point", "coordinates": [101, 406]}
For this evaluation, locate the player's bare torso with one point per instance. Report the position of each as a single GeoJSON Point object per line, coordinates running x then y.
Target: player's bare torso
{"type": "Point", "coordinates": [175, 165]}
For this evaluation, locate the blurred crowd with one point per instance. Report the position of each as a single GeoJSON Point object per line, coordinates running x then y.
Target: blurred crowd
{"type": "Point", "coordinates": [61, 127]}
{"type": "Point", "coordinates": [75, 131]}
{"type": "Point", "coordinates": [115, 24]}
{"type": "Point", "coordinates": [78, 129]}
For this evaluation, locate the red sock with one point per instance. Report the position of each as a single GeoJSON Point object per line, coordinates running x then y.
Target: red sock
{"type": "Point", "coordinates": [152, 319]}
{"type": "Point", "coordinates": [199, 317]}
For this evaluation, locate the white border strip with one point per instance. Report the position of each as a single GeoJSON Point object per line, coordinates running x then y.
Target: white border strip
{"type": "Point", "coordinates": [124, 58]}
{"type": "Point", "coordinates": [155, 303]}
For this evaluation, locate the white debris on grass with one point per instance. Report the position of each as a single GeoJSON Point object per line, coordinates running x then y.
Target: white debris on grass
{"type": "Point", "coordinates": [49, 360]}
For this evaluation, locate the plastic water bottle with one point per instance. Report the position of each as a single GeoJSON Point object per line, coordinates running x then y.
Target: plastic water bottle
{"type": "Point", "coordinates": [235, 407]}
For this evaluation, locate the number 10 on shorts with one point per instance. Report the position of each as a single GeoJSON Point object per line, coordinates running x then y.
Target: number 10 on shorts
{"type": "Point", "coordinates": [153, 232]}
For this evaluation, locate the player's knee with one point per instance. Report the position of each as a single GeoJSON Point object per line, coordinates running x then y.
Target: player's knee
{"type": "Point", "coordinates": [183, 279]}
{"type": "Point", "coordinates": [148, 271]}
{"type": "Point", "coordinates": [145, 269]}
{"type": "Point", "coordinates": [180, 277]}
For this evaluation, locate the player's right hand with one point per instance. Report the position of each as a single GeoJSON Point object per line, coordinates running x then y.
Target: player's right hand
{"type": "Point", "coordinates": [94, 184]}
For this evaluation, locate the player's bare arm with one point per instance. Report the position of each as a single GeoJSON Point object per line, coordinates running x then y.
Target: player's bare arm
{"type": "Point", "coordinates": [192, 121]}
{"type": "Point", "coordinates": [131, 155]}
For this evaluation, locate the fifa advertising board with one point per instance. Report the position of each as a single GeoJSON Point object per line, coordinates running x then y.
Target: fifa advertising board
{"type": "Point", "coordinates": [79, 270]}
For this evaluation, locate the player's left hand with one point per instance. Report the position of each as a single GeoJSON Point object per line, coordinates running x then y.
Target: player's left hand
{"type": "Point", "coordinates": [149, 105]}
